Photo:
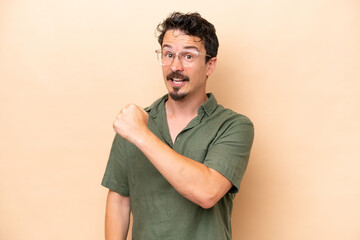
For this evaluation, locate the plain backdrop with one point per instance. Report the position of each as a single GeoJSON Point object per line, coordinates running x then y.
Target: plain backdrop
{"type": "Point", "coordinates": [293, 67]}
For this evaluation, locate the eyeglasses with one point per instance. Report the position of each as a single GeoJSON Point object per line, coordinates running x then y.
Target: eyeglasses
{"type": "Point", "coordinates": [187, 58]}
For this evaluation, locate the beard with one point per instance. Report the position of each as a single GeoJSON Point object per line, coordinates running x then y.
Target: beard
{"type": "Point", "coordinates": [175, 95]}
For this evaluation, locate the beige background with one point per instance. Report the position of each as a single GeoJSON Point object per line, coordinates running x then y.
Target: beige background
{"type": "Point", "coordinates": [293, 67]}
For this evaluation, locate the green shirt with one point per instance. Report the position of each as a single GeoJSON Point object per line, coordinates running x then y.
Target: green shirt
{"type": "Point", "coordinates": [217, 137]}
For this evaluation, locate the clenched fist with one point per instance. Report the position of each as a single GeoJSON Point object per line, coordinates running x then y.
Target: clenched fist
{"type": "Point", "coordinates": [131, 123]}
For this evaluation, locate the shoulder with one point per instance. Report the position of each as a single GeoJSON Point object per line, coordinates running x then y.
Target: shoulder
{"type": "Point", "coordinates": [218, 113]}
{"type": "Point", "coordinates": [228, 126]}
{"type": "Point", "coordinates": [228, 116]}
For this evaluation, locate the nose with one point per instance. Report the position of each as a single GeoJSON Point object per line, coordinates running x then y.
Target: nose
{"type": "Point", "coordinates": [176, 65]}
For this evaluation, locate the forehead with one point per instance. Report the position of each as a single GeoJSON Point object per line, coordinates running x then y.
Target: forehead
{"type": "Point", "coordinates": [178, 39]}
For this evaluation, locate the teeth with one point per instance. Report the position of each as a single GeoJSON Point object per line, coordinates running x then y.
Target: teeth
{"type": "Point", "coordinates": [175, 80]}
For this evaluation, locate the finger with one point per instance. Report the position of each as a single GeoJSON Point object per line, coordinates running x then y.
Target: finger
{"type": "Point", "coordinates": [124, 109]}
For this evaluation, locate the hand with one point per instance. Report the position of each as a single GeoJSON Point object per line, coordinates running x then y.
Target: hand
{"type": "Point", "coordinates": [131, 123]}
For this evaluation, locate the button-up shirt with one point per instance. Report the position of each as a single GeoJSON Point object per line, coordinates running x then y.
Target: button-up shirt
{"type": "Point", "coordinates": [217, 137]}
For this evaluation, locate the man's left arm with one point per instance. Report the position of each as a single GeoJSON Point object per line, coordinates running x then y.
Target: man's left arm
{"type": "Point", "coordinates": [195, 181]}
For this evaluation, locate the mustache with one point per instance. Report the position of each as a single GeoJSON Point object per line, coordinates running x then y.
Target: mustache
{"type": "Point", "coordinates": [177, 75]}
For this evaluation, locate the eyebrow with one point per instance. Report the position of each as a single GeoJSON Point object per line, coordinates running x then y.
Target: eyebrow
{"type": "Point", "coordinates": [192, 47]}
{"type": "Point", "coordinates": [186, 47]}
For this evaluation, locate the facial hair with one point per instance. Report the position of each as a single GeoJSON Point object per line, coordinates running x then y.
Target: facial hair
{"type": "Point", "coordinates": [175, 95]}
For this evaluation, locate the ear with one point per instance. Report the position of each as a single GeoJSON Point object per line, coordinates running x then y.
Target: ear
{"type": "Point", "coordinates": [210, 66]}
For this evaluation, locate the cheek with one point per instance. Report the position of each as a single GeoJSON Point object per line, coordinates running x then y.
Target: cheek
{"type": "Point", "coordinates": [200, 72]}
{"type": "Point", "coordinates": [165, 71]}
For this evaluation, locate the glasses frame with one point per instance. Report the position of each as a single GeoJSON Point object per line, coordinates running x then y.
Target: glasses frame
{"type": "Point", "coordinates": [177, 55]}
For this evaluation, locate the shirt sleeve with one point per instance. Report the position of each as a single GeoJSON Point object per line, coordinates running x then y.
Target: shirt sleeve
{"type": "Point", "coordinates": [116, 177]}
{"type": "Point", "coordinates": [229, 155]}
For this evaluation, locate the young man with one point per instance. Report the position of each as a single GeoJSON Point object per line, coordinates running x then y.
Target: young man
{"type": "Point", "coordinates": [177, 164]}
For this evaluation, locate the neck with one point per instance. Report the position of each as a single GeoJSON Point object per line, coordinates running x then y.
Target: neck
{"type": "Point", "coordinates": [185, 107]}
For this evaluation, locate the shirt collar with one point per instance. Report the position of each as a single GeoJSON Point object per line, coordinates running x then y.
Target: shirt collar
{"type": "Point", "coordinates": [209, 106]}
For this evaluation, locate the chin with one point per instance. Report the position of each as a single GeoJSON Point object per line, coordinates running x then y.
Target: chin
{"type": "Point", "coordinates": [177, 96]}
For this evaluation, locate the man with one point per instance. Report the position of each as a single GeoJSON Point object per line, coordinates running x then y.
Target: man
{"type": "Point", "coordinates": [177, 164]}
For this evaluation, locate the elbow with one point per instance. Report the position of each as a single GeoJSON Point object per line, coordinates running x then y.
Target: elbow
{"type": "Point", "coordinates": [202, 199]}
{"type": "Point", "coordinates": [208, 202]}
{"type": "Point", "coordinates": [208, 198]}
{"type": "Point", "coordinates": [207, 205]}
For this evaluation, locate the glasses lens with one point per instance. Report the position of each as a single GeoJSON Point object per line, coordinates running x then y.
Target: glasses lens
{"type": "Point", "coordinates": [166, 57]}
{"type": "Point", "coordinates": [187, 57]}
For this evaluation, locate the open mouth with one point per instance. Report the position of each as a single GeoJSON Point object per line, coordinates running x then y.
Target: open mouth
{"type": "Point", "coordinates": [177, 78]}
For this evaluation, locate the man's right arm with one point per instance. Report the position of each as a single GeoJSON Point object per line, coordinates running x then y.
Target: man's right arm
{"type": "Point", "coordinates": [117, 217]}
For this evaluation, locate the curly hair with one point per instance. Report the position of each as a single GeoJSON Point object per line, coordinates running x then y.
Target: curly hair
{"type": "Point", "coordinates": [191, 24]}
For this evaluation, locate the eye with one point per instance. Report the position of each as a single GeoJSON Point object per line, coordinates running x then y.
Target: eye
{"type": "Point", "coordinates": [188, 56]}
{"type": "Point", "coordinates": [168, 54]}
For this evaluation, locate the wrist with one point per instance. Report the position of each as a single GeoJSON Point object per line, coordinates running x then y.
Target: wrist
{"type": "Point", "coordinates": [142, 138]}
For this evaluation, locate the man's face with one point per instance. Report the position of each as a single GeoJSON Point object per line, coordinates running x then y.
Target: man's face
{"type": "Point", "coordinates": [183, 81]}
